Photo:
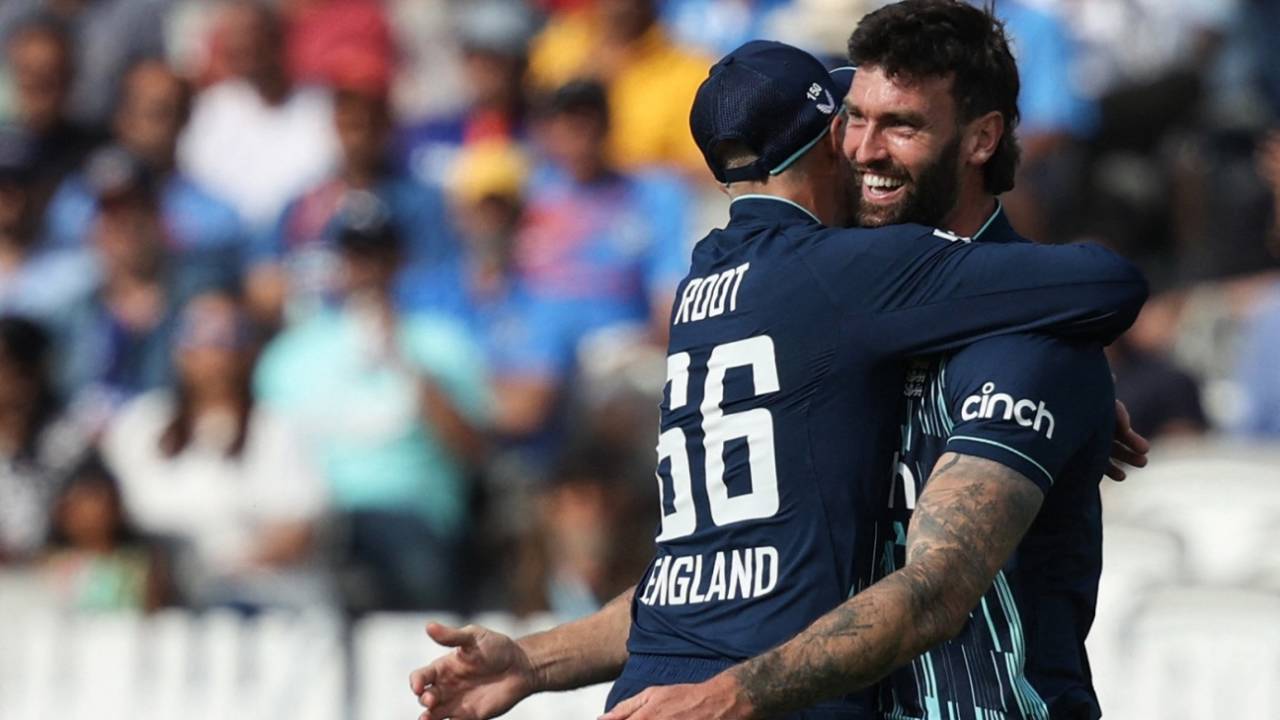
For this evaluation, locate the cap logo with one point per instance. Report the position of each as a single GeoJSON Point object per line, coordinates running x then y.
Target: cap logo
{"type": "Point", "coordinates": [826, 108]}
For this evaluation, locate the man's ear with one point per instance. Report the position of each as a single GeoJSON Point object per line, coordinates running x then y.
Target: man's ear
{"type": "Point", "coordinates": [982, 138]}
{"type": "Point", "coordinates": [835, 133]}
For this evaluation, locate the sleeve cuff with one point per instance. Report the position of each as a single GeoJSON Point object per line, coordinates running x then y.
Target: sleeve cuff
{"type": "Point", "coordinates": [999, 452]}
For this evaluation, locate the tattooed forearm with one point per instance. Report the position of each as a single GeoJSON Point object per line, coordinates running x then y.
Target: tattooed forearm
{"type": "Point", "coordinates": [970, 517]}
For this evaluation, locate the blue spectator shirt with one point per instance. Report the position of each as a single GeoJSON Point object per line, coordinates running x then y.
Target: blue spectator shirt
{"type": "Point", "coordinates": [1050, 99]}
{"type": "Point", "coordinates": [1257, 374]}
{"type": "Point", "coordinates": [304, 236]}
{"type": "Point", "coordinates": [601, 252]}
{"type": "Point", "coordinates": [194, 219]}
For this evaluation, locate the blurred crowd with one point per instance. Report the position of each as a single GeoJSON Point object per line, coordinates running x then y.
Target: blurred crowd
{"type": "Point", "coordinates": [362, 303]}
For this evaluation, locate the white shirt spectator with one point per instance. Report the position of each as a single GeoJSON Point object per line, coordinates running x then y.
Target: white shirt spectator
{"type": "Point", "coordinates": [217, 506]}
{"type": "Point", "coordinates": [255, 155]}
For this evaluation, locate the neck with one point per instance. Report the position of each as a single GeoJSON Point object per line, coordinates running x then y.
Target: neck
{"type": "Point", "coordinates": [15, 426]}
{"type": "Point", "coordinates": [974, 206]}
{"type": "Point", "coordinates": [360, 176]}
{"type": "Point", "coordinates": [821, 204]}
{"type": "Point", "coordinates": [272, 87]}
{"type": "Point", "coordinates": [213, 399]}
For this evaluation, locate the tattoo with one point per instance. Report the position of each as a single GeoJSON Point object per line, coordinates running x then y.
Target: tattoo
{"type": "Point", "coordinates": [970, 517]}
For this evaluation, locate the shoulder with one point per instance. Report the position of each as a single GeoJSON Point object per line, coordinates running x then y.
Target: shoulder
{"type": "Point", "coordinates": [150, 409]}
{"type": "Point", "coordinates": [1070, 379]}
{"type": "Point", "coordinates": [136, 427]}
{"type": "Point", "coordinates": [1032, 355]}
{"type": "Point", "coordinates": [435, 337]}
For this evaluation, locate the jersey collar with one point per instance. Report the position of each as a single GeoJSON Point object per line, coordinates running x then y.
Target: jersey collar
{"type": "Point", "coordinates": [768, 208]}
{"type": "Point", "coordinates": [997, 228]}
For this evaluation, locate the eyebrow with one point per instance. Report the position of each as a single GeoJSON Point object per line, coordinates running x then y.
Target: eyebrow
{"type": "Point", "coordinates": [908, 118]}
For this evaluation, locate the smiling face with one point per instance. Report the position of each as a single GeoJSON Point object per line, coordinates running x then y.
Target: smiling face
{"type": "Point", "coordinates": [903, 143]}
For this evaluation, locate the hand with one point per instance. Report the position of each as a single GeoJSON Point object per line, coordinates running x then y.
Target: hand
{"type": "Point", "coordinates": [484, 677]}
{"type": "Point", "coordinates": [1128, 447]}
{"type": "Point", "coordinates": [720, 698]}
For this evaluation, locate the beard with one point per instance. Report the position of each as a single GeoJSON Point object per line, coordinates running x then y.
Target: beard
{"type": "Point", "coordinates": [927, 199]}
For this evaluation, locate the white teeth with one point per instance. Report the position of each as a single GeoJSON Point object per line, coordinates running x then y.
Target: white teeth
{"type": "Point", "coordinates": [881, 182]}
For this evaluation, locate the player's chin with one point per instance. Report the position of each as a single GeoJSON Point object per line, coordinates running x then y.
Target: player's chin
{"type": "Point", "coordinates": [875, 215]}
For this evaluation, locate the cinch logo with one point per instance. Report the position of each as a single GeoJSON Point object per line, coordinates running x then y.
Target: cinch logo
{"type": "Point", "coordinates": [991, 404]}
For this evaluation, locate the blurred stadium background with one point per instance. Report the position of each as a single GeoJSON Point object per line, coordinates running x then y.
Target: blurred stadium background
{"type": "Point", "coordinates": [321, 318]}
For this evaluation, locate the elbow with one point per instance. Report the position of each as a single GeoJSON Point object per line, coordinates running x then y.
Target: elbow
{"type": "Point", "coordinates": [939, 608]}
{"type": "Point", "coordinates": [942, 623]}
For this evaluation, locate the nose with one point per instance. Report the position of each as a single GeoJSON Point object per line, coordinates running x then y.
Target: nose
{"type": "Point", "coordinates": [863, 146]}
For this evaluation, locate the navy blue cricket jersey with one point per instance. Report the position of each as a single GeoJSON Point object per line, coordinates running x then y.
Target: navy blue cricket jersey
{"type": "Point", "coordinates": [1044, 407]}
{"type": "Point", "coordinates": [779, 418]}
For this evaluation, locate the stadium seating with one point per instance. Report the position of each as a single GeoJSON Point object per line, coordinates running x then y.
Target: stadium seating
{"type": "Point", "coordinates": [1206, 653]}
{"type": "Point", "coordinates": [1188, 626]}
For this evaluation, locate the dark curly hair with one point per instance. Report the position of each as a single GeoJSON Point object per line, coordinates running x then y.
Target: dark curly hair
{"type": "Point", "coordinates": [935, 38]}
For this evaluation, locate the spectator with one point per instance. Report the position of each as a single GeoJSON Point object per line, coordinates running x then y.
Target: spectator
{"type": "Point", "coordinates": [106, 36]}
{"type": "Point", "coordinates": [650, 80]}
{"type": "Point", "coordinates": [38, 446]}
{"type": "Point", "coordinates": [592, 526]}
{"type": "Point", "coordinates": [203, 464]}
{"type": "Point", "coordinates": [527, 341]}
{"type": "Point", "coordinates": [151, 113]}
{"type": "Point", "coordinates": [604, 248]}
{"type": "Point", "coordinates": [295, 267]}
{"type": "Point", "coordinates": [1056, 118]}
{"type": "Point", "coordinates": [391, 404]}
{"type": "Point", "coordinates": [32, 281]}
{"type": "Point", "coordinates": [494, 35]}
{"type": "Point", "coordinates": [718, 26]}
{"type": "Point", "coordinates": [99, 563]}
{"type": "Point", "coordinates": [117, 337]}
{"type": "Point", "coordinates": [1163, 399]}
{"type": "Point", "coordinates": [254, 138]}
{"type": "Point", "coordinates": [40, 58]}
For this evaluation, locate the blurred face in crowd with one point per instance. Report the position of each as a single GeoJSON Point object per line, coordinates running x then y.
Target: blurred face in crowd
{"type": "Point", "coordinates": [252, 41]}
{"type": "Point", "coordinates": [626, 19]}
{"type": "Point", "coordinates": [213, 353]}
{"type": "Point", "coordinates": [89, 514]}
{"type": "Point", "coordinates": [19, 388]}
{"type": "Point", "coordinates": [494, 80]}
{"type": "Point", "coordinates": [903, 140]}
{"type": "Point", "coordinates": [41, 65]}
{"type": "Point", "coordinates": [575, 141]}
{"type": "Point", "coordinates": [14, 204]}
{"type": "Point", "coordinates": [128, 233]}
{"type": "Point", "coordinates": [152, 113]}
{"type": "Point", "coordinates": [489, 225]}
{"type": "Point", "coordinates": [363, 123]}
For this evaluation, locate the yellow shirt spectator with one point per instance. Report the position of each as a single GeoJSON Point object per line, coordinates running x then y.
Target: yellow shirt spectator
{"type": "Point", "coordinates": [651, 83]}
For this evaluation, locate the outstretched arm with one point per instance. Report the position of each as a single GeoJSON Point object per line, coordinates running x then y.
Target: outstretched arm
{"type": "Point", "coordinates": [969, 519]}
{"type": "Point", "coordinates": [488, 672]}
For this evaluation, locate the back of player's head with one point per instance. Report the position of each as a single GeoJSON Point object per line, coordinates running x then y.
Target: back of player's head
{"type": "Point", "coordinates": [916, 39]}
{"type": "Point", "coordinates": [761, 108]}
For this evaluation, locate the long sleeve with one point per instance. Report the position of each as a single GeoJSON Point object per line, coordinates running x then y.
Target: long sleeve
{"type": "Point", "coordinates": [920, 292]}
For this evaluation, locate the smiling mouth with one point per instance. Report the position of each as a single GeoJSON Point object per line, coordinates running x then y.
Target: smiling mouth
{"type": "Point", "coordinates": [878, 187]}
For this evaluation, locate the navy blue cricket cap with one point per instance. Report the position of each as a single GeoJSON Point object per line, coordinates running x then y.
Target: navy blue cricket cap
{"type": "Point", "coordinates": [775, 99]}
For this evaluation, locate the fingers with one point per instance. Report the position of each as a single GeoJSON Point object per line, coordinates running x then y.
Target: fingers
{"type": "Point", "coordinates": [1127, 455]}
{"type": "Point", "coordinates": [422, 677]}
{"type": "Point", "coordinates": [1125, 433]}
{"type": "Point", "coordinates": [454, 637]}
{"type": "Point", "coordinates": [627, 708]}
{"type": "Point", "coordinates": [1115, 472]}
